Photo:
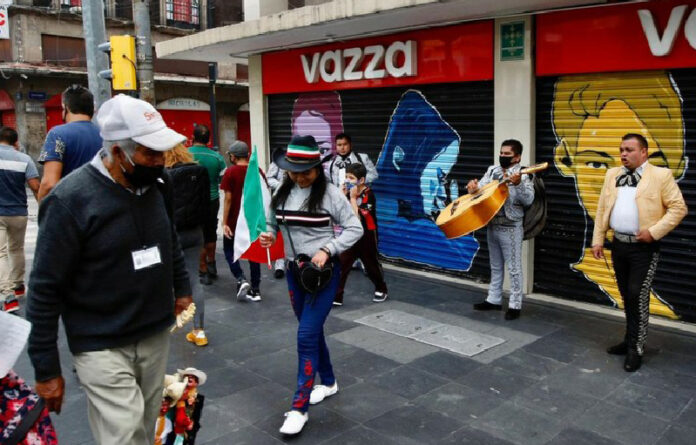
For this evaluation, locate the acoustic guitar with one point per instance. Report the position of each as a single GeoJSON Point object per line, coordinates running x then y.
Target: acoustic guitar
{"type": "Point", "coordinates": [472, 211]}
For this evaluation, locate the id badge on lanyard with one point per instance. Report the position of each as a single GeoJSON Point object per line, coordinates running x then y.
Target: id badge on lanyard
{"type": "Point", "coordinates": [146, 257]}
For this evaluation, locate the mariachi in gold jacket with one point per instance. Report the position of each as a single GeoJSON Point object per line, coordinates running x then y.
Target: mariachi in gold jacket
{"type": "Point", "coordinates": [661, 206]}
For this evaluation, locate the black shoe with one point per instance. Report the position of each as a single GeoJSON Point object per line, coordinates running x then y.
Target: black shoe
{"type": "Point", "coordinates": [212, 269]}
{"type": "Point", "coordinates": [620, 349]}
{"type": "Point", "coordinates": [279, 273]}
{"type": "Point", "coordinates": [486, 306]}
{"type": "Point", "coordinates": [204, 278]}
{"type": "Point", "coordinates": [633, 361]}
{"type": "Point", "coordinates": [512, 314]}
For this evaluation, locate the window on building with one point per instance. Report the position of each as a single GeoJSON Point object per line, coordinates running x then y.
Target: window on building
{"type": "Point", "coordinates": [43, 3]}
{"type": "Point", "coordinates": [63, 51]}
{"type": "Point", "coordinates": [70, 3]}
{"type": "Point", "coordinates": [183, 12]}
{"type": "Point", "coordinates": [224, 12]}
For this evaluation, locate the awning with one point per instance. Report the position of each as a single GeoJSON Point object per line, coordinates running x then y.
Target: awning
{"type": "Point", "coordinates": [343, 20]}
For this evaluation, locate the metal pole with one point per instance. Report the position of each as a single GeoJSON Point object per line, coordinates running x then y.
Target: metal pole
{"type": "Point", "coordinates": [95, 33]}
{"type": "Point", "coordinates": [212, 77]}
{"type": "Point", "coordinates": [143, 49]}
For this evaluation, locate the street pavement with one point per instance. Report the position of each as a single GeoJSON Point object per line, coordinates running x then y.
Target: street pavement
{"type": "Point", "coordinates": [424, 368]}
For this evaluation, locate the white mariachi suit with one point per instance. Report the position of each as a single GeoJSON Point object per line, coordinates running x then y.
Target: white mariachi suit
{"type": "Point", "coordinates": [505, 234]}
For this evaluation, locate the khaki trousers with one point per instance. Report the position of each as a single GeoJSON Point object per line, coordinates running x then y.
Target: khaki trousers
{"type": "Point", "coordinates": [12, 231]}
{"type": "Point", "coordinates": [124, 389]}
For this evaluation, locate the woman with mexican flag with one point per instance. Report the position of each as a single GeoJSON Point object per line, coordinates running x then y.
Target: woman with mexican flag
{"type": "Point", "coordinates": [306, 209]}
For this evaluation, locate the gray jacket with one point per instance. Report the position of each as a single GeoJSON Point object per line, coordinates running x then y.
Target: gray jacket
{"type": "Point", "coordinates": [274, 176]}
{"type": "Point", "coordinates": [335, 165]}
{"type": "Point", "coordinates": [312, 231]}
{"type": "Point", "coordinates": [521, 195]}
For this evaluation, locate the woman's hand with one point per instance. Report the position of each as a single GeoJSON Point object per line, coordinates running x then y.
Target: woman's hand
{"type": "Point", "coordinates": [266, 239]}
{"type": "Point", "coordinates": [320, 258]}
{"type": "Point", "coordinates": [227, 231]}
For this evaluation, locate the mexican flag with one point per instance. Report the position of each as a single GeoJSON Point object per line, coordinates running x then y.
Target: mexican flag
{"type": "Point", "coordinates": [254, 211]}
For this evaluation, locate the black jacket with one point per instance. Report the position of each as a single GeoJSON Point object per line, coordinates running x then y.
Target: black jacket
{"type": "Point", "coordinates": [191, 195]}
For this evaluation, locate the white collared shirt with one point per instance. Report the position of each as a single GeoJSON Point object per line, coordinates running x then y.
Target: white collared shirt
{"type": "Point", "coordinates": [624, 215]}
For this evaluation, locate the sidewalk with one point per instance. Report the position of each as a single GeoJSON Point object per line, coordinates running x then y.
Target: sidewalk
{"type": "Point", "coordinates": [542, 379]}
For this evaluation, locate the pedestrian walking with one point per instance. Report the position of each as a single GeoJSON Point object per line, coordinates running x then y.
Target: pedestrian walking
{"type": "Point", "coordinates": [505, 231]}
{"type": "Point", "coordinates": [17, 170]}
{"type": "Point", "coordinates": [215, 164]}
{"type": "Point", "coordinates": [363, 204]}
{"type": "Point", "coordinates": [108, 262]}
{"type": "Point", "coordinates": [306, 209]}
{"type": "Point", "coordinates": [72, 144]}
{"type": "Point", "coordinates": [639, 220]}
{"type": "Point", "coordinates": [233, 184]}
{"type": "Point", "coordinates": [191, 214]}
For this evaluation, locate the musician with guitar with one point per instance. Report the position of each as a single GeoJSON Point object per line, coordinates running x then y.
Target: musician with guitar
{"type": "Point", "coordinates": [505, 230]}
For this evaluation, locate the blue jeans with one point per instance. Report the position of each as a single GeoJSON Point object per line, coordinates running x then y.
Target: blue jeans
{"type": "Point", "coordinates": [236, 268]}
{"type": "Point", "coordinates": [312, 352]}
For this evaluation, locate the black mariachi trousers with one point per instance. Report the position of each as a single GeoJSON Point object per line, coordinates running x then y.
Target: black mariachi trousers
{"type": "Point", "coordinates": [635, 265]}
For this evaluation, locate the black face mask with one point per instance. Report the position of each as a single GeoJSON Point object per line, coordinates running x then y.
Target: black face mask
{"type": "Point", "coordinates": [505, 161]}
{"type": "Point", "coordinates": [141, 175]}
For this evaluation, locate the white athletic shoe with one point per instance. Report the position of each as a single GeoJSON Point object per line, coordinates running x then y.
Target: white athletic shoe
{"type": "Point", "coordinates": [294, 422]}
{"type": "Point", "coordinates": [243, 287]}
{"type": "Point", "coordinates": [320, 392]}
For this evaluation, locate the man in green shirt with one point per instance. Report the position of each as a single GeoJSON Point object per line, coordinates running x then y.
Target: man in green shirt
{"type": "Point", "coordinates": [215, 164]}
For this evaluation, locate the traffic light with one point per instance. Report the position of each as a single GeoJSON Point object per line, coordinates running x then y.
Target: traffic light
{"type": "Point", "coordinates": [122, 72]}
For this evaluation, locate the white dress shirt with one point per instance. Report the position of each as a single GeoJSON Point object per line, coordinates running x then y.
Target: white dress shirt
{"type": "Point", "coordinates": [624, 215]}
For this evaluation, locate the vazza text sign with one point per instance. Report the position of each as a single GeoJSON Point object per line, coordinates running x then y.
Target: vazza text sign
{"type": "Point", "coordinates": [448, 54]}
{"type": "Point", "coordinates": [637, 36]}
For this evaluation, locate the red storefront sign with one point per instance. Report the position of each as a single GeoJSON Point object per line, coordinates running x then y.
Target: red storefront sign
{"type": "Point", "coordinates": [637, 36]}
{"type": "Point", "coordinates": [449, 54]}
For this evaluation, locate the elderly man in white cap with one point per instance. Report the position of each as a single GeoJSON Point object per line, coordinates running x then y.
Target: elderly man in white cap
{"type": "Point", "coordinates": [109, 263]}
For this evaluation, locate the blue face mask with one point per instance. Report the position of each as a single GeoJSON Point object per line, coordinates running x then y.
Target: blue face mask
{"type": "Point", "coordinates": [350, 185]}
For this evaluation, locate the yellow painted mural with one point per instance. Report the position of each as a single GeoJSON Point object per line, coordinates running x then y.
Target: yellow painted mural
{"type": "Point", "coordinates": [590, 115]}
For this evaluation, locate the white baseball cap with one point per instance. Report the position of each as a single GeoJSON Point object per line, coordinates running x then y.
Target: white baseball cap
{"type": "Point", "coordinates": [124, 117]}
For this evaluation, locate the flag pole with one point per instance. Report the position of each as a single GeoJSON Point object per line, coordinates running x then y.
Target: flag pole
{"type": "Point", "coordinates": [268, 257]}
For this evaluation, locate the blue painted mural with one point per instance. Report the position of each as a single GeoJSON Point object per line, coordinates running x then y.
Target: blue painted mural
{"type": "Point", "coordinates": [419, 151]}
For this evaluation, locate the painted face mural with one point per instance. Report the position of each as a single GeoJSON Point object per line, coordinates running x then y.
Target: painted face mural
{"type": "Point", "coordinates": [590, 115]}
{"type": "Point", "coordinates": [319, 115]}
{"type": "Point", "coordinates": [419, 151]}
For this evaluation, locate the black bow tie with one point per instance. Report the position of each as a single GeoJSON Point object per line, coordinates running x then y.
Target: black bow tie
{"type": "Point", "coordinates": [628, 179]}
{"type": "Point", "coordinates": [343, 161]}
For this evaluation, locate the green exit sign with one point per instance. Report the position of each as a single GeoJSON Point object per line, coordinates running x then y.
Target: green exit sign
{"type": "Point", "coordinates": [512, 41]}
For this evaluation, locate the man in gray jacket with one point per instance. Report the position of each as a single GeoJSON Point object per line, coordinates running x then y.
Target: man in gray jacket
{"type": "Point", "coordinates": [505, 231]}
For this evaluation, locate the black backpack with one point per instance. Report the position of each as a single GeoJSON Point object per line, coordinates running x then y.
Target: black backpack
{"type": "Point", "coordinates": [535, 214]}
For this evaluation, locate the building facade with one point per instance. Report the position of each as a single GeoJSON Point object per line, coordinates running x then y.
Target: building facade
{"type": "Point", "coordinates": [45, 52]}
{"type": "Point", "coordinates": [431, 98]}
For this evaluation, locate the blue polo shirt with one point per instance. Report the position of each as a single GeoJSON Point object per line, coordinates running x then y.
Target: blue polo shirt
{"type": "Point", "coordinates": [73, 144]}
{"type": "Point", "coordinates": [15, 170]}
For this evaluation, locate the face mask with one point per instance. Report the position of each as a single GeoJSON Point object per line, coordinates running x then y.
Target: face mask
{"type": "Point", "coordinates": [350, 185]}
{"type": "Point", "coordinates": [505, 161]}
{"type": "Point", "coordinates": [141, 175]}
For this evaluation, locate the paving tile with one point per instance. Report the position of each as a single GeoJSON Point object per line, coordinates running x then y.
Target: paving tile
{"type": "Point", "coordinates": [279, 366]}
{"type": "Point", "coordinates": [322, 426]}
{"type": "Point", "coordinates": [225, 381]}
{"type": "Point", "coordinates": [688, 414]}
{"type": "Point", "coordinates": [414, 425]}
{"type": "Point", "coordinates": [459, 340]}
{"type": "Point", "coordinates": [519, 425]}
{"type": "Point", "coordinates": [655, 402]}
{"type": "Point", "coordinates": [446, 364]}
{"type": "Point", "coordinates": [398, 322]}
{"type": "Point", "coordinates": [216, 422]}
{"type": "Point", "coordinates": [665, 379]}
{"type": "Point", "coordinates": [258, 345]}
{"type": "Point", "coordinates": [497, 380]}
{"type": "Point", "coordinates": [554, 401]}
{"type": "Point", "coordinates": [623, 425]}
{"type": "Point", "coordinates": [363, 336]}
{"type": "Point", "coordinates": [248, 435]}
{"type": "Point", "coordinates": [574, 436]}
{"type": "Point", "coordinates": [363, 365]}
{"type": "Point", "coordinates": [459, 402]}
{"type": "Point", "coordinates": [360, 436]}
{"type": "Point", "coordinates": [402, 350]}
{"type": "Point", "coordinates": [472, 436]}
{"type": "Point", "coordinates": [363, 401]}
{"type": "Point", "coordinates": [528, 365]}
{"type": "Point", "coordinates": [257, 403]}
{"type": "Point", "coordinates": [678, 435]}
{"type": "Point", "coordinates": [335, 325]}
{"type": "Point", "coordinates": [596, 382]}
{"type": "Point", "coordinates": [561, 351]}
{"type": "Point", "coordinates": [408, 382]}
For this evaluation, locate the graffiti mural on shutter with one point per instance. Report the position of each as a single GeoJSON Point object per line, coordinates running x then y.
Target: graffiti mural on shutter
{"type": "Point", "coordinates": [580, 122]}
{"type": "Point", "coordinates": [426, 143]}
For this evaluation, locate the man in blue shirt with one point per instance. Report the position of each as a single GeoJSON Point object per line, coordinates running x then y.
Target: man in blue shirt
{"type": "Point", "coordinates": [16, 169]}
{"type": "Point", "coordinates": [72, 144]}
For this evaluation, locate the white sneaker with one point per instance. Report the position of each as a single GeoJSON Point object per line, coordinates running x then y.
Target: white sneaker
{"type": "Point", "coordinates": [253, 296]}
{"type": "Point", "coordinates": [379, 297]}
{"type": "Point", "coordinates": [294, 422]}
{"type": "Point", "coordinates": [242, 290]}
{"type": "Point", "coordinates": [320, 392]}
